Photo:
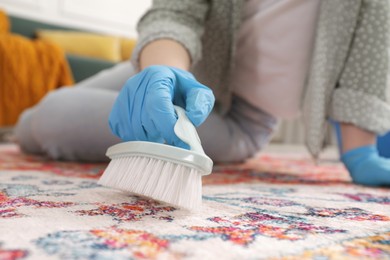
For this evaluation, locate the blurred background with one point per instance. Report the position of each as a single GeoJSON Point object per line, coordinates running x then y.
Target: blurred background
{"type": "Point", "coordinates": [94, 35]}
{"type": "Point", "coordinates": [117, 17]}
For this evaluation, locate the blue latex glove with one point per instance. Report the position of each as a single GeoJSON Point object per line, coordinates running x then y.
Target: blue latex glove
{"type": "Point", "coordinates": [367, 167]}
{"type": "Point", "coordinates": [144, 109]}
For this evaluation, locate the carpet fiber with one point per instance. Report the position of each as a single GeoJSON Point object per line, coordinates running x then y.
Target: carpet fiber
{"type": "Point", "coordinates": [274, 206]}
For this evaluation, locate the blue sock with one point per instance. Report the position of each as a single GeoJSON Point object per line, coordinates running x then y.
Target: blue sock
{"type": "Point", "coordinates": [367, 167]}
{"type": "Point", "coordinates": [383, 144]}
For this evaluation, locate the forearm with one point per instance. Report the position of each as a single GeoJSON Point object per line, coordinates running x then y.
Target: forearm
{"type": "Point", "coordinates": [165, 52]}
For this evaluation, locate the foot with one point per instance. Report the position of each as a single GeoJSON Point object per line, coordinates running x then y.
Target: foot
{"type": "Point", "coordinates": [366, 167]}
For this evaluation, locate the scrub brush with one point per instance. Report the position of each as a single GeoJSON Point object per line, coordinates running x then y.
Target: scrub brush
{"type": "Point", "coordinates": [163, 172]}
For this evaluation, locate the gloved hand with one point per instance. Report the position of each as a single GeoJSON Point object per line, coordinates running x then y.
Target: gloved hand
{"type": "Point", "coordinates": [367, 167]}
{"type": "Point", "coordinates": [144, 110]}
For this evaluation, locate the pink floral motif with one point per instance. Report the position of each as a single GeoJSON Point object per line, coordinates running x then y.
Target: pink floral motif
{"type": "Point", "coordinates": [8, 206]}
{"type": "Point", "coordinates": [131, 211]}
{"type": "Point", "coordinates": [107, 243]}
{"type": "Point", "coordinates": [366, 197]}
{"type": "Point", "coordinates": [143, 245]}
{"type": "Point", "coordinates": [372, 247]}
{"type": "Point", "coordinates": [269, 201]}
{"type": "Point", "coordinates": [355, 214]}
{"type": "Point", "coordinates": [12, 254]}
{"type": "Point", "coordinates": [279, 169]}
{"type": "Point", "coordinates": [243, 229]}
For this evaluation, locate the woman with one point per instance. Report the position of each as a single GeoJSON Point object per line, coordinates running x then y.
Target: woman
{"type": "Point", "coordinates": [259, 57]}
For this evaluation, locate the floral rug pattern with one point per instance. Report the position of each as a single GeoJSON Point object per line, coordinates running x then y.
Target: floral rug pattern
{"type": "Point", "coordinates": [271, 207]}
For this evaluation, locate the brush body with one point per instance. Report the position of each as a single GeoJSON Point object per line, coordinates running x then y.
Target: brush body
{"type": "Point", "coordinates": [160, 171]}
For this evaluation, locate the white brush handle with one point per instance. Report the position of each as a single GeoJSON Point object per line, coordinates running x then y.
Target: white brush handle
{"type": "Point", "coordinates": [186, 131]}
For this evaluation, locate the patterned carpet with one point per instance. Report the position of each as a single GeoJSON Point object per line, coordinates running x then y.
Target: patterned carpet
{"type": "Point", "coordinates": [272, 207]}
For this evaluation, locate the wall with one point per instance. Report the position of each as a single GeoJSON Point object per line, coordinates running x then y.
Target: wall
{"type": "Point", "coordinates": [117, 17]}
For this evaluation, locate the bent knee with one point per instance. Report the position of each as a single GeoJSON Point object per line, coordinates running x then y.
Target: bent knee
{"type": "Point", "coordinates": [24, 132]}
{"type": "Point", "coordinates": [71, 124]}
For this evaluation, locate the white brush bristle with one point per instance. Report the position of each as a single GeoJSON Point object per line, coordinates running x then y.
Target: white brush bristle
{"type": "Point", "coordinates": [161, 180]}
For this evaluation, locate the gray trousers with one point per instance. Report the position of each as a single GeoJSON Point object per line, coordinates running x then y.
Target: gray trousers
{"type": "Point", "coordinates": [72, 123]}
